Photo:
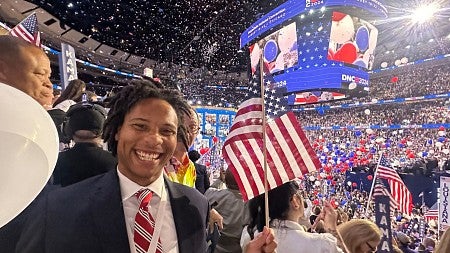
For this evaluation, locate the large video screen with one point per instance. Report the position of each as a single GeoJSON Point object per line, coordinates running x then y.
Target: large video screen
{"type": "Point", "coordinates": [279, 50]}
{"type": "Point", "coordinates": [352, 40]}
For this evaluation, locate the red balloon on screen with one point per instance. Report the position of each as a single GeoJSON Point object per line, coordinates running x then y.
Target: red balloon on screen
{"type": "Point", "coordinates": [441, 128]}
{"type": "Point", "coordinates": [215, 139]}
{"type": "Point", "coordinates": [338, 16]}
{"type": "Point", "coordinates": [347, 53]}
{"type": "Point", "coordinates": [394, 79]}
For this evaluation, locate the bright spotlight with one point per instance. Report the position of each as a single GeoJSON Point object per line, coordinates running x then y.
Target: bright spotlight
{"type": "Point", "coordinates": [423, 14]}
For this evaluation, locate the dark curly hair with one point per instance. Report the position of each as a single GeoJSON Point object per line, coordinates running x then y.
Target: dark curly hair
{"type": "Point", "coordinates": [279, 199]}
{"type": "Point", "coordinates": [129, 96]}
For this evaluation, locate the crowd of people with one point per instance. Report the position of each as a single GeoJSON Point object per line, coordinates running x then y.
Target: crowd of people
{"type": "Point", "coordinates": [146, 185]}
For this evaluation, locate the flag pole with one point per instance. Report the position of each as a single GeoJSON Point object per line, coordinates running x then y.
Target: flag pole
{"type": "Point", "coordinates": [373, 184]}
{"type": "Point", "coordinates": [266, 185]}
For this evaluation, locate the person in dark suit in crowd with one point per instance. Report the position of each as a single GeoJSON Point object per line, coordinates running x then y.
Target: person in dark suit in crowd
{"type": "Point", "coordinates": [98, 214]}
{"type": "Point", "coordinates": [25, 67]}
{"type": "Point", "coordinates": [202, 177]}
{"type": "Point", "coordinates": [87, 157]}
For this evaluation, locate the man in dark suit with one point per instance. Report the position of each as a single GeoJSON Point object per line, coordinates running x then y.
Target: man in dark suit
{"type": "Point", "coordinates": [87, 157]}
{"type": "Point", "coordinates": [202, 178]}
{"type": "Point", "coordinates": [98, 215]}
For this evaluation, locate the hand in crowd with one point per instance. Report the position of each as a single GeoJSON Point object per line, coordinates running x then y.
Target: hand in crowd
{"type": "Point", "coordinates": [215, 217]}
{"type": "Point", "coordinates": [263, 242]}
{"type": "Point", "coordinates": [329, 216]}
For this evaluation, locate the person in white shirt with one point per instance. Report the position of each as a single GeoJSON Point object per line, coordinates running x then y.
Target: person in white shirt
{"type": "Point", "coordinates": [286, 206]}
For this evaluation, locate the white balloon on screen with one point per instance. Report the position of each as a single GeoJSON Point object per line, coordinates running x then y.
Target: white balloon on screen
{"type": "Point", "coordinates": [28, 151]}
{"type": "Point", "coordinates": [208, 126]}
{"type": "Point", "coordinates": [438, 144]}
{"type": "Point", "coordinates": [342, 30]}
{"type": "Point", "coordinates": [349, 183]}
{"type": "Point", "coordinates": [287, 38]}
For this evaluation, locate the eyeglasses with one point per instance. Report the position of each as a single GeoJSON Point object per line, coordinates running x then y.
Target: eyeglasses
{"type": "Point", "coordinates": [373, 249]}
{"type": "Point", "coordinates": [193, 129]}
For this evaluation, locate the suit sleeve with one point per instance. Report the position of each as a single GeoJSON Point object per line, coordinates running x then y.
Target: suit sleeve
{"type": "Point", "coordinates": [32, 239]}
{"type": "Point", "coordinates": [207, 183]}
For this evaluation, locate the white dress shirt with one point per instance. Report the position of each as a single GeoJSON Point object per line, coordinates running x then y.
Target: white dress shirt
{"type": "Point", "coordinates": [291, 237]}
{"type": "Point", "coordinates": [168, 233]}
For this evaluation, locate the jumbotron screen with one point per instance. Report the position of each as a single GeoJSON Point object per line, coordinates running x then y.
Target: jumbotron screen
{"type": "Point", "coordinates": [315, 56]}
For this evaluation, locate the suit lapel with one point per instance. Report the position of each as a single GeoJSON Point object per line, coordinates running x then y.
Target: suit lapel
{"type": "Point", "coordinates": [107, 214]}
{"type": "Point", "coordinates": [182, 215]}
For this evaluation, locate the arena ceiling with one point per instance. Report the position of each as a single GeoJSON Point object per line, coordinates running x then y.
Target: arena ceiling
{"type": "Point", "coordinates": [205, 33]}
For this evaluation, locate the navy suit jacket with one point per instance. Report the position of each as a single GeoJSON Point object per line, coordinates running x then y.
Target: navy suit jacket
{"type": "Point", "coordinates": [88, 217]}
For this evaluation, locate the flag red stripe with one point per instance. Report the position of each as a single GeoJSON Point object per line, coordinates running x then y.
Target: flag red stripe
{"type": "Point", "coordinates": [249, 176]}
{"type": "Point", "coordinates": [310, 153]}
{"type": "Point", "coordinates": [282, 156]}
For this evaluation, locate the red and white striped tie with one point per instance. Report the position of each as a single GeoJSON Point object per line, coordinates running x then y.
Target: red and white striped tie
{"type": "Point", "coordinates": [144, 224]}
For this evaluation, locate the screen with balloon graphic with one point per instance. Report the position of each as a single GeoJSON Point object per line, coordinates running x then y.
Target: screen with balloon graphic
{"type": "Point", "coordinates": [319, 57]}
{"type": "Point", "coordinates": [352, 40]}
{"type": "Point", "coordinates": [317, 53]}
{"type": "Point", "coordinates": [279, 50]}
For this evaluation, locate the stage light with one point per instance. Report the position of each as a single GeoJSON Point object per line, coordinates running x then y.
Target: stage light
{"type": "Point", "coordinates": [423, 14]}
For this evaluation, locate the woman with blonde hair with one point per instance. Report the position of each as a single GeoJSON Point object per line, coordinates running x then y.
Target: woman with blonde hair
{"type": "Point", "coordinates": [360, 236]}
{"type": "Point", "coordinates": [444, 243]}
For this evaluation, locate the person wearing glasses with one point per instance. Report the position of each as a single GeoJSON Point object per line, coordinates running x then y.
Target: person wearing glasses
{"type": "Point", "coordinates": [360, 236]}
{"type": "Point", "coordinates": [180, 169]}
{"type": "Point", "coordinates": [286, 206]}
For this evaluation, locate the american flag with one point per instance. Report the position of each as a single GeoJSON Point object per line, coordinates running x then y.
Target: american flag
{"type": "Point", "coordinates": [289, 154]}
{"type": "Point", "coordinates": [432, 213]}
{"type": "Point", "coordinates": [274, 98]}
{"type": "Point", "coordinates": [28, 30]}
{"type": "Point", "coordinates": [399, 191]}
{"type": "Point", "coordinates": [381, 189]}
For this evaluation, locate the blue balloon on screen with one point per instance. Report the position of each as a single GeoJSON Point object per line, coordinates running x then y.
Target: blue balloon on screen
{"type": "Point", "coordinates": [362, 38]}
{"type": "Point", "coordinates": [357, 133]}
{"type": "Point", "coordinates": [270, 51]}
{"type": "Point", "coordinates": [360, 62]}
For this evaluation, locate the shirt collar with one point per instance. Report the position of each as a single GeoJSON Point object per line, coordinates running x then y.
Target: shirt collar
{"type": "Point", "coordinates": [287, 224]}
{"type": "Point", "coordinates": [128, 188]}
